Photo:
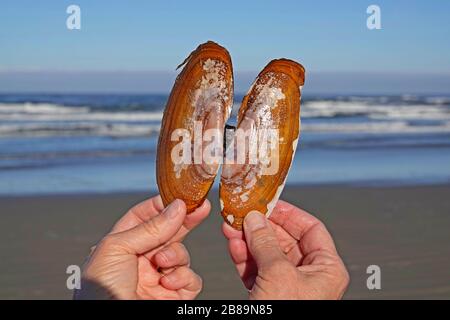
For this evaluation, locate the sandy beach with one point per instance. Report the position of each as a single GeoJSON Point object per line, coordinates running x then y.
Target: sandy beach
{"type": "Point", "coordinates": [404, 230]}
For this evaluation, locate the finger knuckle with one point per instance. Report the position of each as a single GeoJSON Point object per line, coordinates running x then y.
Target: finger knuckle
{"type": "Point", "coordinates": [108, 241]}
{"type": "Point", "coordinates": [345, 277]}
{"type": "Point", "coordinates": [262, 240]}
{"type": "Point", "coordinates": [180, 248]}
{"type": "Point", "coordinates": [182, 253]}
{"type": "Point", "coordinates": [340, 278]}
{"type": "Point", "coordinates": [198, 280]}
{"type": "Point", "coordinates": [187, 259]}
{"type": "Point", "coordinates": [163, 259]}
{"type": "Point", "coordinates": [153, 228]}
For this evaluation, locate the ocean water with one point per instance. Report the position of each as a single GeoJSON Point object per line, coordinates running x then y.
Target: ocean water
{"type": "Point", "coordinates": [107, 143]}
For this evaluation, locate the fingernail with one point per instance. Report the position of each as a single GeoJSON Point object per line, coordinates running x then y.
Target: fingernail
{"type": "Point", "coordinates": [173, 209]}
{"type": "Point", "coordinates": [254, 221]}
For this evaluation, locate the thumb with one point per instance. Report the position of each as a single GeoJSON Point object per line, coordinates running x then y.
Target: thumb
{"type": "Point", "coordinates": [154, 232]}
{"type": "Point", "coordinates": [261, 240]}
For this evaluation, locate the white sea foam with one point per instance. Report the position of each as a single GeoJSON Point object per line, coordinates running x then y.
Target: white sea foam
{"type": "Point", "coordinates": [39, 108]}
{"type": "Point", "coordinates": [77, 129]}
{"type": "Point", "coordinates": [331, 109]}
{"type": "Point", "coordinates": [438, 100]}
{"type": "Point", "coordinates": [46, 119]}
{"type": "Point", "coordinates": [376, 127]}
{"type": "Point", "coordinates": [51, 112]}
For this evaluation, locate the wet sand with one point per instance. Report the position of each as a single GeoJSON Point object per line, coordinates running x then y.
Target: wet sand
{"type": "Point", "coordinates": [404, 230]}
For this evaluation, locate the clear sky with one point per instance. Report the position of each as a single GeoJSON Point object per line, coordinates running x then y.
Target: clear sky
{"type": "Point", "coordinates": [148, 36]}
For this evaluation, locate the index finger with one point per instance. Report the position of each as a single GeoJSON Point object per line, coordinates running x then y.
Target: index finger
{"type": "Point", "coordinates": [138, 214]}
{"type": "Point", "coordinates": [152, 207]}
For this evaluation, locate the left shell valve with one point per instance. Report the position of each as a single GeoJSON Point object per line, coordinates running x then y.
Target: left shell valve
{"type": "Point", "coordinates": [201, 99]}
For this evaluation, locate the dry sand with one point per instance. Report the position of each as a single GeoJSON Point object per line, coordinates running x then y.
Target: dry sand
{"type": "Point", "coordinates": [404, 230]}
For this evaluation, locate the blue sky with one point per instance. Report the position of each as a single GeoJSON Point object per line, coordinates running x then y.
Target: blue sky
{"type": "Point", "coordinates": [148, 36]}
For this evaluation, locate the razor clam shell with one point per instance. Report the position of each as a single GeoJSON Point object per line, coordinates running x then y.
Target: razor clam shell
{"type": "Point", "coordinates": [203, 91]}
{"type": "Point", "coordinates": [273, 102]}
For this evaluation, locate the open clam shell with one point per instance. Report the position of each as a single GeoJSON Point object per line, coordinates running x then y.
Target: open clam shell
{"type": "Point", "coordinates": [190, 143]}
{"type": "Point", "coordinates": [259, 157]}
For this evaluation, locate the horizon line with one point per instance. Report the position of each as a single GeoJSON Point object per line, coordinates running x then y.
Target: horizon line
{"type": "Point", "coordinates": [362, 72]}
{"type": "Point", "coordinates": [331, 82]}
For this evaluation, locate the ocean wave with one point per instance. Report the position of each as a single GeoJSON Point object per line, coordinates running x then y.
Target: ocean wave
{"type": "Point", "coordinates": [53, 112]}
{"type": "Point", "coordinates": [39, 108]}
{"type": "Point", "coordinates": [376, 127]}
{"type": "Point", "coordinates": [134, 130]}
{"type": "Point", "coordinates": [335, 109]}
{"type": "Point", "coordinates": [78, 129]}
{"type": "Point", "coordinates": [5, 159]}
{"type": "Point", "coordinates": [46, 119]}
{"type": "Point", "coordinates": [439, 100]}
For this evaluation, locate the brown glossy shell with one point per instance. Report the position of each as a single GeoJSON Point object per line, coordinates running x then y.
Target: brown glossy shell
{"type": "Point", "coordinates": [273, 101]}
{"type": "Point", "coordinates": [203, 91]}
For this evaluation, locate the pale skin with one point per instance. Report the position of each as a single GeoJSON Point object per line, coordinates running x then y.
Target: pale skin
{"type": "Point", "coordinates": [290, 256]}
{"type": "Point", "coordinates": [143, 257]}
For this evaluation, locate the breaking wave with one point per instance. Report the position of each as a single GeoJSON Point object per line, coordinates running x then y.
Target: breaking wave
{"type": "Point", "coordinates": [130, 116]}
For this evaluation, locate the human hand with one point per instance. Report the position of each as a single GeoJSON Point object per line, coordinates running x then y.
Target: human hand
{"type": "Point", "coordinates": [291, 255]}
{"type": "Point", "coordinates": [142, 257]}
